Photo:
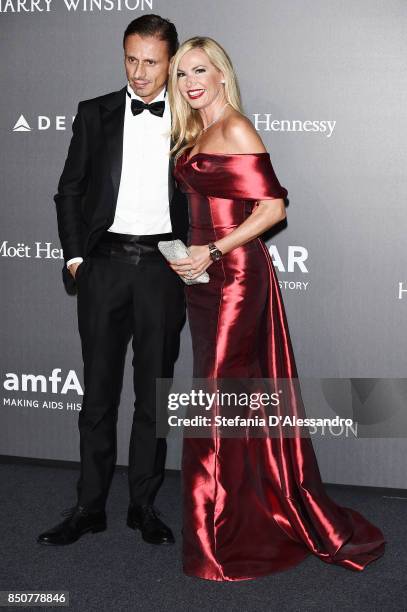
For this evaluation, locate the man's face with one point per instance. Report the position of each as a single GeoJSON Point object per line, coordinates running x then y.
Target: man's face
{"type": "Point", "coordinates": [147, 63]}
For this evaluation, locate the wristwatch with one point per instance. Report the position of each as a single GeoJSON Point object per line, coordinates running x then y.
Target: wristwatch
{"type": "Point", "coordinates": [214, 253]}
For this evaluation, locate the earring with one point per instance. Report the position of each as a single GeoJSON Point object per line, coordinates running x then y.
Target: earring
{"type": "Point", "coordinates": [222, 82]}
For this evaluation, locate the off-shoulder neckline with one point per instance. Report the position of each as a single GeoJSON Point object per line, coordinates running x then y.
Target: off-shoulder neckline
{"type": "Point", "coordinates": [188, 159]}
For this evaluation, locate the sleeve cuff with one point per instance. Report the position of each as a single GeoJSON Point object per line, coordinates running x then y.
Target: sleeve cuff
{"type": "Point", "coordinates": [74, 260]}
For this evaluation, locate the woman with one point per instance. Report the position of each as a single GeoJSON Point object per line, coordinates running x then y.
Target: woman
{"type": "Point", "coordinates": [252, 506]}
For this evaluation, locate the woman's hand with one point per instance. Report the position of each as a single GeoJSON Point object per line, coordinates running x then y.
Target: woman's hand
{"type": "Point", "coordinates": [191, 267]}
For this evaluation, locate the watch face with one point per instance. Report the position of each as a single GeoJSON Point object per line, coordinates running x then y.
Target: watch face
{"type": "Point", "coordinates": [216, 254]}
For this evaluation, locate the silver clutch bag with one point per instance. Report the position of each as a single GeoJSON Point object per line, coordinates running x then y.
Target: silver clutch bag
{"type": "Point", "coordinates": [176, 249]}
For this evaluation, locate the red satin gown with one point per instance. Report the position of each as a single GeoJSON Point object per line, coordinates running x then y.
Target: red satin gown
{"type": "Point", "coordinates": [253, 506]}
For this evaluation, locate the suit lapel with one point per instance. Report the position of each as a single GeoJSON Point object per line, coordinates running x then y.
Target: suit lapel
{"type": "Point", "coordinates": [171, 174]}
{"type": "Point", "coordinates": [112, 116]}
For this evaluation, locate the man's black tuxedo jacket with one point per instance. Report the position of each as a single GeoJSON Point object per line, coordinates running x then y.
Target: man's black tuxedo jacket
{"type": "Point", "coordinates": [89, 184]}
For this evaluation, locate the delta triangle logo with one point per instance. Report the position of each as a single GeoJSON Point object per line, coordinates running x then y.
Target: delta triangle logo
{"type": "Point", "coordinates": [21, 125]}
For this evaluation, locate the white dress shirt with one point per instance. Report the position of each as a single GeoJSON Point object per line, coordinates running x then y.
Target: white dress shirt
{"type": "Point", "coordinates": [142, 202]}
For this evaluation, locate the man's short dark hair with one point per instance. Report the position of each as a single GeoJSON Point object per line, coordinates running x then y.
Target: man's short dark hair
{"type": "Point", "coordinates": [154, 25]}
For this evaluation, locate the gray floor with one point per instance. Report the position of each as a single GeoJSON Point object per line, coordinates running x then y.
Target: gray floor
{"type": "Point", "coordinates": [115, 570]}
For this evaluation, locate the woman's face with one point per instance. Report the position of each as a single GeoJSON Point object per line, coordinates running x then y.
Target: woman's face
{"type": "Point", "coordinates": [198, 79]}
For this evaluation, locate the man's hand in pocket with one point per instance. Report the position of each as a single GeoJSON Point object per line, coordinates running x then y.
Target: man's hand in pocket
{"type": "Point", "coordinates": [73, 268]}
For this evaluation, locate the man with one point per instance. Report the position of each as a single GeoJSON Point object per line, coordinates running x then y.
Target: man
{"type": "Point", "coordinates": [116, 200]}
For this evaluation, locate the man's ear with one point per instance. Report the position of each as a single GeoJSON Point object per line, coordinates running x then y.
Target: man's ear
{"type": "Point", "coordinates": [170, 64]}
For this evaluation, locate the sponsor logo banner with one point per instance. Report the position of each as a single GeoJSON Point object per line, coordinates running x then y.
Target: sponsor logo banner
{"type": "Point", "coordinates": [85, 6]}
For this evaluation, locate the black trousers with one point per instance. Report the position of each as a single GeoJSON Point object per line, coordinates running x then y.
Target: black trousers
{"type": "Point", "coordinates": [125, 289]}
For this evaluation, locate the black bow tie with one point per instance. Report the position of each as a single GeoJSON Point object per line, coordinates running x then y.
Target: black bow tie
{"type": "Point", "coordinates": [155, 108]}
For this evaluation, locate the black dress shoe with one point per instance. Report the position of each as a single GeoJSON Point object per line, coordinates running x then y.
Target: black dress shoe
{"type": "Point", "coordinates": [153, 530]}
{"type": "Point", "coordinates": [78, 522]}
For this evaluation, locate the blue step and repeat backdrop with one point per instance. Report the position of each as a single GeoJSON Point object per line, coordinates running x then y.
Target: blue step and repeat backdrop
{"type": "Point", "coordinates": [324, 82]}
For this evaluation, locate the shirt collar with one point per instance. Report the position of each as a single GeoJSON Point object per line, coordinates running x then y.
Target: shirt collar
{"type": "Point", "coordinates": [160, 96]}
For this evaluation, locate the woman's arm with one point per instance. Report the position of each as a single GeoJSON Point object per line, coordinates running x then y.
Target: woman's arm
{"type": "Point", "coordinates": [266, 214]}
{"type": "Point", "coordinates": [241, 137]}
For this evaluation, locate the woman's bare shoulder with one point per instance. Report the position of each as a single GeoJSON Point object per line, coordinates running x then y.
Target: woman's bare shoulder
{"type": "Point", "coordinates": [240, 135]}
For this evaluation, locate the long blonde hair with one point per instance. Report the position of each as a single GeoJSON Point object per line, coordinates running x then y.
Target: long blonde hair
{"type": "Point", "coordinates": [186, 122]}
